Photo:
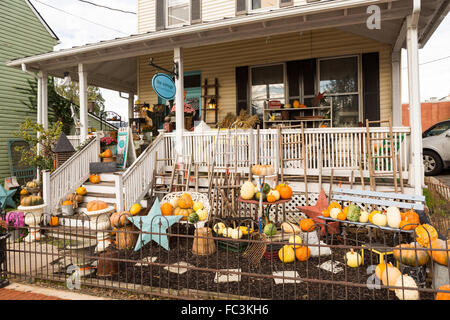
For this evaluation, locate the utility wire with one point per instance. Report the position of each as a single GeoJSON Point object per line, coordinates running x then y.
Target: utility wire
{"type": "Point", "coordinates": [431, 61]}
{"type": "Point", "coordinates": [98, 24]}
{"type": "Point", "coordinates": [106, 7]}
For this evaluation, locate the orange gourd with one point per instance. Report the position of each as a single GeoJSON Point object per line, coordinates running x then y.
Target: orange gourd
{"type": "Point", "coordinates": [182, 212]}
{"type": "Point", "coordinates": [185, 201]}
{"type": "Point", "coordinates": [425, 234]}
{"type": "Point", "coordinates": [284, 190]}
{"type": "Point", "coordinates": [54, 221]}
{"type": "Point", "coordinates": [342, 216]}
{"type": "Point", "coordinates": [67, 203]}
{"type": "Point", "coordinates": [326, 213]}
{"type": "Point", "coordinates": [271, 198]}
{"type": "Point", "coordinates": [120, 219]}
{"type": "Point", "coordinates": [106, 154]}
{"type": "Point", "coordinates": [166, 209]}
{"type": "Point", "coordinates": [94, 178]}
{"type": "Point", "coordinates": [307, 225]}
{"type": "Point", "coordinates": [443, 295]}
{"type": "Point", "coordinates": [96, 205]}
{"type": "Point", "coordinates": [302, 253]}
{"type": "Point", "coordinates": [334, 204]}
{"type": "Point", "coordinates": [81, 191]}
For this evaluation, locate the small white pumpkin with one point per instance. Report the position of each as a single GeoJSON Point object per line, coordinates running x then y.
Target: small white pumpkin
{"type": "Point", "coordinates": [364, 217]}
{"type": "Point", "coordinates": [379, 219]}
{"type": "Point", "coordinates": [334, 212]}
{"type": "Point", "coordinates": [406, 281]}
{"type": "Point", "coordinates": [248, 190]}
{"type": "Point", "coordinates": [353, 259]}
{"type": "Point", "coordinates": [202, 214]}
{"type": "Point", "coordinates": [236, 234]}
{"type": "Point", "coordinates": [393, 217]}
{"type": "Point", "coordinates": [174, 202]}
{"type": "Point", "coordinates": [227, 232]}
{"type": "Point", "coordinates": [274, 193]}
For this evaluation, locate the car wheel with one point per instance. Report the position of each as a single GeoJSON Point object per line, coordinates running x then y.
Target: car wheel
{"type": "Point", "coordinates": [432, 163]}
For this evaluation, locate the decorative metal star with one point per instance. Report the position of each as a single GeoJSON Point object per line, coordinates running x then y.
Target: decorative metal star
{"type": "Point", "coordinates": [316, 210]}
{"type": "Point", "coordinates": [6, 197]}
{"type": "Point", "coordinates": [153, 225]}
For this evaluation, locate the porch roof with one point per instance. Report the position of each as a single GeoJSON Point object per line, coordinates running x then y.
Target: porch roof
{"type": "Point", "coordinates": [112, 64]}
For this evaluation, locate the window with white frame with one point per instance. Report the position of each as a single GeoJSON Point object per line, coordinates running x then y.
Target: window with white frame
{"type": "Point", "coordinates": [339, 79]}
{"type": "Point", "coordinates": [262, 4]}
{"type": "Point", "coordinates": [178, 12]}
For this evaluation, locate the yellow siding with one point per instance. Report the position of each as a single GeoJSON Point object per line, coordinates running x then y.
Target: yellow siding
{"type": "Point", "coordinates": [146, 16]}
{"type": "Point", "coordinates": [219, 61]}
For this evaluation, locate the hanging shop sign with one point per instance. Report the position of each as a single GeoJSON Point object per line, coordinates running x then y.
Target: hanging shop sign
{"type": "Point", "coordinates": [164, 86]}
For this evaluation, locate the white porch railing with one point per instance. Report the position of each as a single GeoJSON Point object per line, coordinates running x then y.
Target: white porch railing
{"type": "Point", "coordinates": [339, 146]}
{"type": "Point", "coordinates": [70, 175]}
{"type": "Point", "coordinates": [74, 140]}
{"type": "Point", "coordinates": [136, 180]}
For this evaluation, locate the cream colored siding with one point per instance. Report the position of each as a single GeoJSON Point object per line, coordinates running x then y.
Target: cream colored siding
{"type": "Point", "coordinates": [218, 9]}
{"type": "Point", "coordinates": [219, 61]}
{"type": "Point", "coordinates": [146, 16]}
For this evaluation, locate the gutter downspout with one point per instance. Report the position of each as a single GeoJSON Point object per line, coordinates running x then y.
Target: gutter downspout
{"type": "Point", "coordinates": [414, 97]}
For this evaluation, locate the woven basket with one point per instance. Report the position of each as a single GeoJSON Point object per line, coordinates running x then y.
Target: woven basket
{"type": "Point", "coordinates": [196, 196]}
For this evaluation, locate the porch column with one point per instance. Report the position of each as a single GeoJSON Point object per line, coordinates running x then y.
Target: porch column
{"type": "Point", "coordinates": [414, 104]}
{"type": "Point", "coordinates": [396, 89]}
{"type": "Point", "coordinates": [39, 115]}
{"type": "Point", "coordinates": [44, 98]}
{"type": "Point", "coordinates": [82, 79]}
{"type": "Point", "coordinates": [130, 106]}
{"type": "Point", "coordinates": [179, 101]}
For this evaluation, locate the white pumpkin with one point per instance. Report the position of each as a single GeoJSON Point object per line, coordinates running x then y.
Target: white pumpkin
{"type": "Point", "coordinates": [236, 234]}
{"type": "Point", "coordinates": [406, 281]}
{"type": "Point", "coordinates": [364, 217]}
{"type": "Point", "coordinates": [393, 217]}
{"type": "Point", "coordinates": [248, 190]}
{"type": "Point", "coordinates": [202, 214]}
{"type": "Point", "coordinates": [334, 213]}
{"type": "Point", "coordinates": [274, 193]}
{"type": "Point", "coordinates": [353, 259]}
{"type": "Point", "coordinates": [379, 219]}
{"type": "Point", "coordinates": [227, 232]}
{"type": "Point", "coordinates": [174, 202]}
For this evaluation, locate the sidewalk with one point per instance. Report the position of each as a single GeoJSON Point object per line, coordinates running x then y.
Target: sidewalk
{"type": "Point", "coordinates": [18, 291]}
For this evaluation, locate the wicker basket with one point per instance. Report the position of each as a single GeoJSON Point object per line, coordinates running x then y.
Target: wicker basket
{"type": "Point", "coordinates": [196, 196]}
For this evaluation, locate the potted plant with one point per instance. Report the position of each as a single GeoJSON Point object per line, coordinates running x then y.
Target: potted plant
{"type": "Point", "coordinates": [16, 224]}
{"type": "Point", "coordinates": [189, 113]}
{"type": "Point", "coordinates": [108, 143]}
{"type": "Point", "coordinates": [3, 263]}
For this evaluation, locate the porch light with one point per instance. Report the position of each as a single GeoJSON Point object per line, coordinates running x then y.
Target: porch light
{"type": "Point", "coordinates": [212, 103]}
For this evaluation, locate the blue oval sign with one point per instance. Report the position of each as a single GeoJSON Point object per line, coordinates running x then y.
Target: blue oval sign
{"type": "Point", "coordinates": [164, 86]}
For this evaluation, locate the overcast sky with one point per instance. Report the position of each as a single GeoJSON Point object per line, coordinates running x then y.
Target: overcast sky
{"type": "Point", "coordinates": [77, 23]}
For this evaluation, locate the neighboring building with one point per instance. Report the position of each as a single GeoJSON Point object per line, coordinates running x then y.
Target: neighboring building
{"type": "Point", "coordinates": [432, 112]}
{"type": "Point", "coordinates": [23, 32]}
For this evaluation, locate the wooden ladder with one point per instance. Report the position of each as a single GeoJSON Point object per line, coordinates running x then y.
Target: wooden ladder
{"type": "Point", "coordinates": [387, 157]}
{"type": "Point", "coordinates": [158, 185]}
{"type": "Point", "coordinates": [181, 173]}
{"type": "Point", "coordinates": [285, 144]}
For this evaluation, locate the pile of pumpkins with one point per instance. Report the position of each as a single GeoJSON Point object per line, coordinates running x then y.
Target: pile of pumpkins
{"type": "Point", "coordinates": [391, 217]}
{"type": "Point", "coordinates": [74, 199]}
{"type": "Point", "coordinates": [249, 192]}
{"type": "Point", "coordinates": [294, 250]}
{"type": "Point", "coordinates": [192, 211]}
{"type": "Point", "coordinates": [27, 199]}
{"type": "Point", "coordinates": [125, 233]}
{"type": "Point", "coordinates": [235, 233]}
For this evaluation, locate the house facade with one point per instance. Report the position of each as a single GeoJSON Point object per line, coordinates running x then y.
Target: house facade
{"type": "Point", "coordinates": [264, 52]}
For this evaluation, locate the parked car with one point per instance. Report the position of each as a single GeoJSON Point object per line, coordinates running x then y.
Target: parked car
{"type": "Point", "coordinates": [436, 148]}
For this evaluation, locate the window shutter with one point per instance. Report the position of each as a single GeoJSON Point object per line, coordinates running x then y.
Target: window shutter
{"type": "Point", "coordinates": [160, 15]}
{"type": "Point", "coordinates": [196, 11]}
{"type": "Point", "coordinates": [241, 7]}
{"type": "Point", "coordinates": [286, 3]}
{"type": "Point", "coordinates": [241, 89]}
{"type": "Point", "coordinates": [371, 86]}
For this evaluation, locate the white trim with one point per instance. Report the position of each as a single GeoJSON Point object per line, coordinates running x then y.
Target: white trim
{"type": "Point", "coordinates": [259, 10]}
{"type": "Point", "coordinates": [177, 6]}
{"type": "Point", "coordinates": [43, 22]}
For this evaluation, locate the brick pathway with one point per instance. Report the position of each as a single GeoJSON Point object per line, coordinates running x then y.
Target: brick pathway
{"type": "Point", "coordinates": [9, 294]}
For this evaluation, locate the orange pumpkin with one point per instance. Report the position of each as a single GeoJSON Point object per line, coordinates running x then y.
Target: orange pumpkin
{"type": "Point", "coordinates": [334, 204]}
{"type": "Point", "coordinates": [54, 221]}
{"type": "Point", "coordinates": [307, 225]}
{"type": "Point", "coordinates": [185, 201]}
{"type": "Point", "coordinates": [166, 209]}
{"type": "Point", "coordinates": [409, 220]}
{"type": "Point", "coordinates": [342, 216]}
{"type": "Point", "coordinates": [106, 154]}
{"type": "Point", "coordinates": [441, 257]}
{"type": "Point", "coordinates": [96, 205]}
{"type": "Point", "coordinates": [284, 190]}
{"type": "Point", "coordinates": [94, 178]}
{"type": "Point", "coordinates": [426, 233]}
{"type": "Point", "coordinates": [302, 253]}
{"type": "Point", "coordinates": [271, 198]}
{"type": "Point", "coordinates": [443, 295]}
{"type": "Point", "coordinates": [67, 203]}
{"type": "Point", "coordinates": [81, 191]}
{"type": "Point", "coordinates": [326, 213]}
{"type": "Point", "coordinates": [182, 212]}
{"type": "Point", "coordinates": [120, 219]}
